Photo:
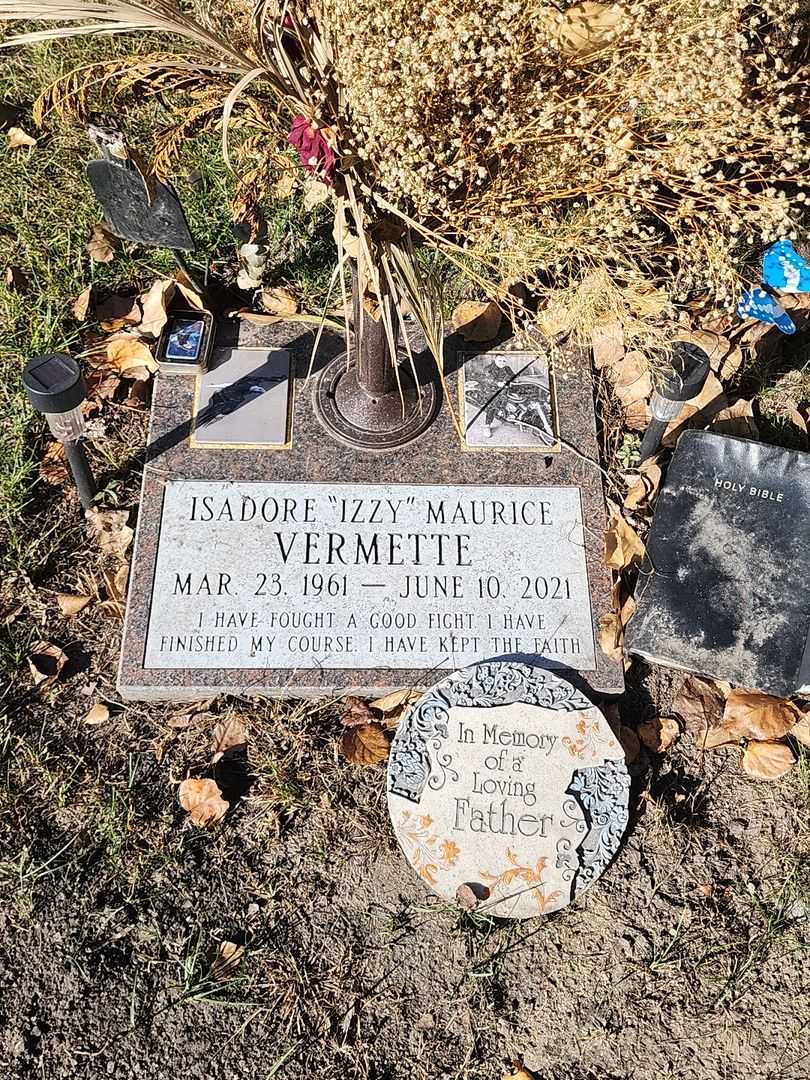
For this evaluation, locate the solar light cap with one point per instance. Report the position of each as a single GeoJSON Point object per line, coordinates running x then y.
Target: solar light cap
{"type": "Point", "coordinates": [54, 383]}
{"type": "Point", "coordinates": [690, 366]}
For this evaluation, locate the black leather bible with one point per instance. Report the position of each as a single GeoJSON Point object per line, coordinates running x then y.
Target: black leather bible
{"type": "Point", "coordinates": [725, 589]}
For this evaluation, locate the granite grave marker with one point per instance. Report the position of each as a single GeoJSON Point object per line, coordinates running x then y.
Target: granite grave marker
{"type": "Point", "coordinates": [309, 567]}
{"type": "Point", "coordinates": [505, 783]}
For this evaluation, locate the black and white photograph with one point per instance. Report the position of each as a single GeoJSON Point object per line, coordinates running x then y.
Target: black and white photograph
{"type": "Point", "coordinates": [508, 402]}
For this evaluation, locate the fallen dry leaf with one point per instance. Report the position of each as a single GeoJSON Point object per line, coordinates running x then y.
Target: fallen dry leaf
{"type": "Point", "coordinates": [754, 333]}
{"type": "Point", "coordinates": [257, 317]}
{"type": "Point", "coordinates": [285, 185]}
{"type": "Point", "coordinates": [226, 959]}
{"type": "Point", "coordinates": [117, 311]}
{"type": "Point", "coordinates": [102, 245]}
{"type": "Point", "coordinates": [138, 395]}
{"type": "Point", "coordinates": [636, 417]}
{"type": "Point", "coordinates": [203, 801]}
{"type": "Point", "coordinates": [645, 486]}
{"type": "Point", "coordinates": [586, 27]}
{"type": "Point", "coordinates": [731, 364]}
{"type": "Point", "coordinates": [99, 714]}
{"type": "Point", "coordinates": [659, 734]}
{"type": "Point", "coordinates": [53, 468]}
{"type": "Point", "coordinates": [137, 374]}
{"type": "Point", "coordinates": [477, 320]}
{"type": "Point", "coordinates": [711, 398]}
{"type": "Point", "coordinates": [110, 528]}
{"type": "Point", "coordinates": [628, 369]}
{"type": "Point", "coordinates": [767, 760]}
{"type": "Point", "coordinates": [81, 305]}
{"type": "Point", "coordinates": [737, 419]}
{"type": "Point", "coordinates": [229, 734]}
{"type": "Point", "coordinates": [801, 731]}
{"type": "Point", "coordinates": [366, 744]}
{"type": "Point", "coordinates": [155, 303]}
{"type": "Point", "coordinates": [278, 301]}
{"type": "Point", "coordinates": [698, 411]}
{"type": "Point", "coordinates": [611, 636]}
{"type": "Point", "coordinates": [15, 279]}
{"type": "Point", "coordinates": [46, 662]}
{"type": "Point", "coordinates": [315, 193]}
{"type": "Point", "coordinates": [633, 394]}
{"type": "Point", "coordinates": [716, 346]}
{"type": "Point", "coordinates": [700, 705]}
{"type": "Point", "coordinates": [101, 385]}
{"type": "Point", "coordinates": [751, 715]}
{"type": "Point", "coordinates": [69, 604]}
{"type": "Point", "coordinates": [199, 718]}
{"type": "Point", "coordinates": [792, 414]}
{"type": "Point", "coordinates": [631, 378]}
{"type": "Point", "coordinates": [129, 356]}
{"type": "Point", "coordinates": [188, 291]}
{"type": "Point", "coordinates": [623, 545]}
{"type": "Point", "coordinates": [354, 711]}
{"type": "Point", "coordinates": [17, 138]}
{"type": "Point", "coordinates": [612, 624]}
{"type": "Point", "coordinates": [607, 343]}
{"type": "Point", "coordinates": [394, 706]}
{"type": "Point", "coordinates": [116, 585]}
{"type": "Point", "coordinates": [395, 700]}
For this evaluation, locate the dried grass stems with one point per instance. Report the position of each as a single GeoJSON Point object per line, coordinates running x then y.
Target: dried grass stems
{"type": "Point", "coordinates": [656, 141]}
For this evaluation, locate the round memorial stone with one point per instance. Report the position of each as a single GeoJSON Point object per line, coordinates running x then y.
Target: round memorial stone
{"type": "Point", "coordinates": [507, 789]}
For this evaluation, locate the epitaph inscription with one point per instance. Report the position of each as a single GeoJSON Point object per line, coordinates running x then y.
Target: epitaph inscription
{"type": "Point", "coordinates": [305, 575]}
{"type": "Point", "coordinates": [505, 779]}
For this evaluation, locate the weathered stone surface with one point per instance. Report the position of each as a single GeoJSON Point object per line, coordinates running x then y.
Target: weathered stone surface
{"type": "Point", "coordinates": [394, 575]}
{"type": "Point", "coordinates": [506, 786]}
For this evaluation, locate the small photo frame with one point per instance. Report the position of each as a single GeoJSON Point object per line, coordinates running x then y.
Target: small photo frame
{"type": "Point", "coordinates": [184, 340]}
{"type": "Point", "coordinates": [244, 401]}
{"type": "Point", "coordinates": [508, 402]}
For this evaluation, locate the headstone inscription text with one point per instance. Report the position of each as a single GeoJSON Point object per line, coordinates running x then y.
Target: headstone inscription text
{"type": "Point", "coordinates": [305, 575]}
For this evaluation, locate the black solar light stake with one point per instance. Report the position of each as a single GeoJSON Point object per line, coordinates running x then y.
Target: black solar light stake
{"type": "Point", "coordinates": [55, 387]}
{"type": "Point", "coordinates": [681, 382]}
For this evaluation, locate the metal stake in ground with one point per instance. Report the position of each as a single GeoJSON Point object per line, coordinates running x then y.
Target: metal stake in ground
{"type": "Point", "coordinates": [138, 207]}
{"type": "Point", "coordinates": [358, 397]}
{"type": "Point", "coordinates": [55, 387]}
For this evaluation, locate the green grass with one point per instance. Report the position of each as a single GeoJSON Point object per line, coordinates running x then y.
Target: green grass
{"type": "Point", "coordinates": [47, 210]}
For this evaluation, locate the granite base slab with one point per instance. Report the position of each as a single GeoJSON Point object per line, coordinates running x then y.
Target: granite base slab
{"type": "Point", "coordinates": [177, 608]}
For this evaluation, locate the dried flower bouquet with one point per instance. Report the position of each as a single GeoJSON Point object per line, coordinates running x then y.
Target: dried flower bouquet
{"type": "Point", "coordinates": [656, 143]}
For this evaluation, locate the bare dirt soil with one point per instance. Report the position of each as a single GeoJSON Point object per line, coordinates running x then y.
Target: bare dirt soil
{"type": "Point", "coordinates": [687, 961]}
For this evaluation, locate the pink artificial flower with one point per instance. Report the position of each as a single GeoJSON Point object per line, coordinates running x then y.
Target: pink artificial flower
{"type": "Point", "coordinates": [315, 152]}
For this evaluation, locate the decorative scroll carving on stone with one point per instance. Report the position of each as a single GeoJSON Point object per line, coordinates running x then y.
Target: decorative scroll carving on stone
{"type": "Point", "coordinates": [603, 793]}
{"type": "Point", "coordinates": [480, 685]}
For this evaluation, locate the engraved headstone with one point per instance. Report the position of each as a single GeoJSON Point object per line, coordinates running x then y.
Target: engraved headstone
{"type": "Point", "coordinates": [405, 575]}
{"type": "Point", "coordinates": [507, 783]}
{"type": "Point", "coordinates": [271, 559]}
